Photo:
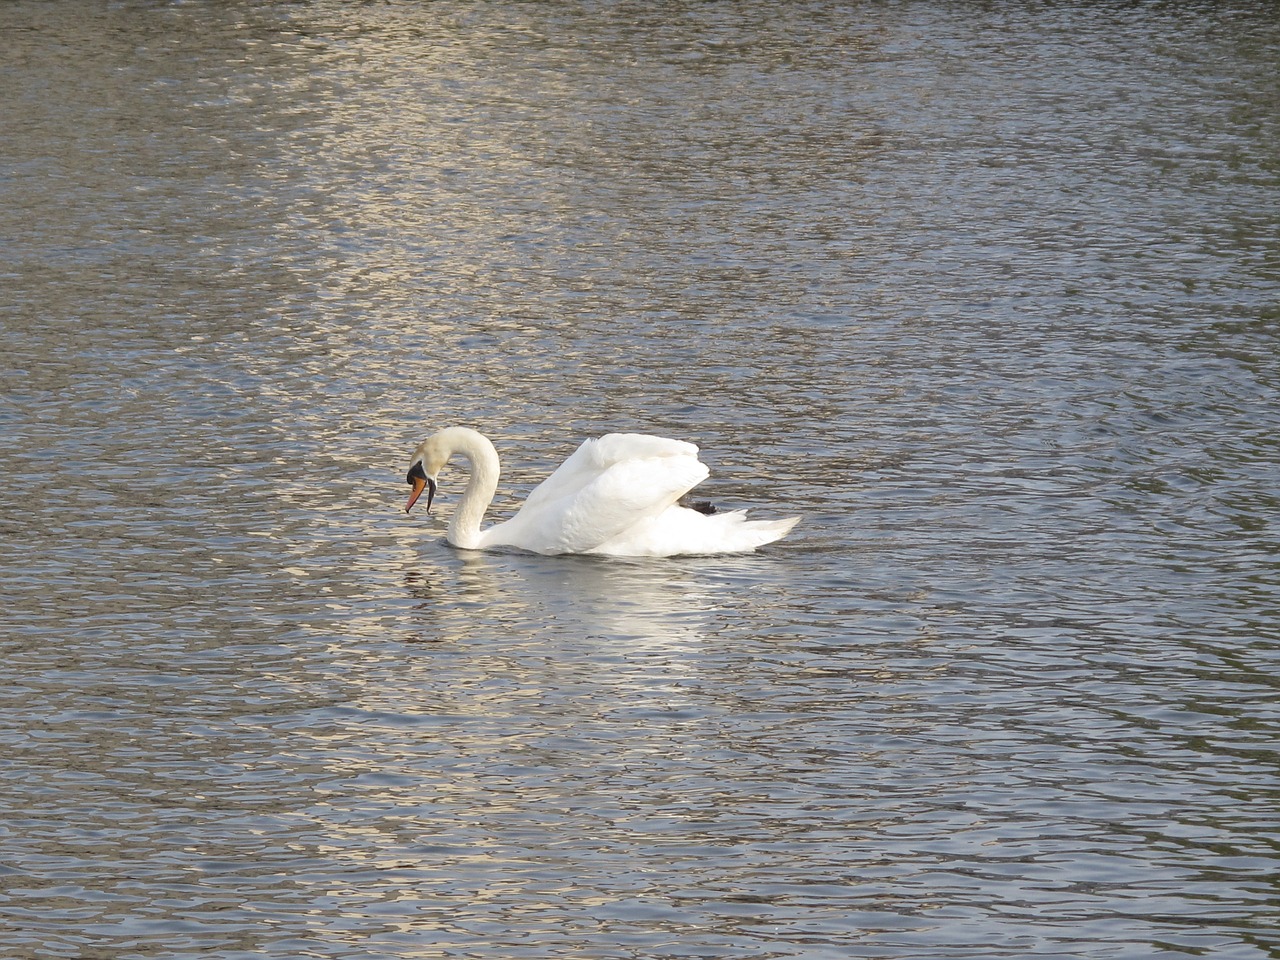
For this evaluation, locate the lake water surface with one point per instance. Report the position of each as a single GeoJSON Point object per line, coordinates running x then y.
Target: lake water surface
{"type": "Point", "coordinates": [988, 293]}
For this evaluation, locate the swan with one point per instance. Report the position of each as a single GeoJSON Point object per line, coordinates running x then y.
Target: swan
{"type": "Point", "coordinates": [615, 496]}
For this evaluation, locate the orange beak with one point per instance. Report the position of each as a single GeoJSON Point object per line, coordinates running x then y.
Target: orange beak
{"type": "Point", "coordinates": [420, 484]}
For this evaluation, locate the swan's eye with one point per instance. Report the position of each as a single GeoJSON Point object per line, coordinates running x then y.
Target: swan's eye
{"type": "Point", "coordinates": [416, 473]}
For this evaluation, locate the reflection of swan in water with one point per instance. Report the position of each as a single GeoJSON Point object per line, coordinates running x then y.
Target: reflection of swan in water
{"type": "Point", "coordinates": [615, 496]}
{"type": "Point", "coordinates": [575, 605]}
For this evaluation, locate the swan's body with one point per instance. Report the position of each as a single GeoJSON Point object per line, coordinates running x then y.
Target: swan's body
{"type": "Point", "coordinates": [614, 496]}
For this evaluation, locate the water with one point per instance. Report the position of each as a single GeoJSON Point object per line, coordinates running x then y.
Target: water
{"type": "Point", "coordinates": [987, 293]}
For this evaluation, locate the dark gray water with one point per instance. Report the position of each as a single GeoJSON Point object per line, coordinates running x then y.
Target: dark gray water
{"type": "Point", "coordinates": [989, 293]}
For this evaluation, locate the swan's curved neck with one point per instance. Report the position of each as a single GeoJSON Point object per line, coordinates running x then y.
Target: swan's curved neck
{"type": "Point", "coordinates": [464, 526]}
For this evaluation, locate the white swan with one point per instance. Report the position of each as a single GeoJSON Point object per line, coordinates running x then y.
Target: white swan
{"type": "Point", "coordinates": [614, 496]}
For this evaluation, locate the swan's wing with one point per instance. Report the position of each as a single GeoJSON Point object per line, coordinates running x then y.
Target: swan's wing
{"type": "Point", "coordinates": [594, 457]}
{"type": "Point", "coordinates": [588, 507]}
{"type": "Point", "coordinates": [627, 493]}
{"type": "Point", "coordinates": [615, 447]}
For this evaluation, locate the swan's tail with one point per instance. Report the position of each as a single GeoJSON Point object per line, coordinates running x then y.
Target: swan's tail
{"type": "Point", "coordinates": [732, 532]}
{"type": "Point", "coordinates": [756, 533]}
{"type": "Point", "coordinates": [681, 531]}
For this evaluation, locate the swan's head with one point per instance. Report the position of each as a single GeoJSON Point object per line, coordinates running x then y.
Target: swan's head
{"type": "Point", "coordinates": [434, 452]}
{"type": "Point", "coordinates": [431, 455]}
{"type": "Point", "coordinates": [419, 480]}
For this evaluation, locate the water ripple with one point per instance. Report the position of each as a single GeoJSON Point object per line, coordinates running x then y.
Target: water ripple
{"type": "Point", "coordinates": [987, 296]}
